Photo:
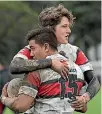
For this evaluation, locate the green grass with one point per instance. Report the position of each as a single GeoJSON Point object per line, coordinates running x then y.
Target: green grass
{"type": "Point", "coordinates": [94, 106]}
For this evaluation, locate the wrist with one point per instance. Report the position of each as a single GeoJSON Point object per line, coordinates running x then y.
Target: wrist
{"type": "Point", "coordinates": [50, 62]}
{"type": "Point", "coordinates": [86, 96]}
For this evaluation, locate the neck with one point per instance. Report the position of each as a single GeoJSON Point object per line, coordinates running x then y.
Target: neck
{"type": "Point", "coordinates": [52, 52]}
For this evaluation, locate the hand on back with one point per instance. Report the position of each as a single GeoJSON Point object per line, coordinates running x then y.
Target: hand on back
{"type": "Point", "coordinates": [61, 67]}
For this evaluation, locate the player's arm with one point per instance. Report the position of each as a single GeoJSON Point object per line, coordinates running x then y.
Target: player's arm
{"type": "Point", "coordinates": [26, 96]}
{"type": "Point", "coordinates": [19, 65]}
{"type": "Point", "coordinates": [22, 102]}
{"type": "Point", "coordinates": [90, 78]}
{"type": "Point", "coordinates": [18, 104]}
{"type": "Point", "coordinates": [22, 63]}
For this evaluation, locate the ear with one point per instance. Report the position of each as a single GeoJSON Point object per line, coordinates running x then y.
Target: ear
{"type": "Point", "coordinates": [46, 46]}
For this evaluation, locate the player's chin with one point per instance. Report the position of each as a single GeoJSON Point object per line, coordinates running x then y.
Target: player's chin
{"type": "Point", "coordinates": [64, 41]}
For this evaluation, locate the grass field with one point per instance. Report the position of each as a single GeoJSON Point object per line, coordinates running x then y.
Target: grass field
{"type": "Point", "coordinates": [94, 106]}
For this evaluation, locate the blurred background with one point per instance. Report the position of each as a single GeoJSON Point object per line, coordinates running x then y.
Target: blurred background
{"type": "Point", "coordinates": [18, 17]}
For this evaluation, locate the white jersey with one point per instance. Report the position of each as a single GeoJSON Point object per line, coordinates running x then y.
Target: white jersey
{"type": "Point", "coordinates": [50, 99]}
{"type": "Point", "coordinates": [76, 55]}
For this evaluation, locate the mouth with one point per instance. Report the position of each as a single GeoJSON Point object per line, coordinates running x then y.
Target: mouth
{"type": "Point", "coordinates": [66, 37]}
{"type": "Point", "coordinates": [34, 58]}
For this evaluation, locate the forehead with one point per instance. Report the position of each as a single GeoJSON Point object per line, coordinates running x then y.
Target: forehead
{"type": "Point", "coordinates": [64, 20]}
{"type": "Point", "coordinates": [32, 43]}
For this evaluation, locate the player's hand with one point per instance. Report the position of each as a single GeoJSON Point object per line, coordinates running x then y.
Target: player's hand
{"type": "Point", "coordinates": [80, 103]}
{"type": "Point", "coordinates": [4, 90]}
{"type": "Point", "coordinates": [60, 67]}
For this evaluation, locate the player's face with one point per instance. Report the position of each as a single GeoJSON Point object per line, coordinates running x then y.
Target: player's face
{"type": "Point", "coordinates": [63, 31]}
{"type": "Point", "coordinates": [37, 51]}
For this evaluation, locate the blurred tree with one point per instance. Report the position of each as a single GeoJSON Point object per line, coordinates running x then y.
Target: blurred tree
{"type": "Point", "coordinates": [16, 19]}
{"type": "Point", "coordinates": [40, 5]}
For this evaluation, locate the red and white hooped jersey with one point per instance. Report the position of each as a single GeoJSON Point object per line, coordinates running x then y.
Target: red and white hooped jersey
{"type": "Point", "coordinates": [73, 53]}
{"type": "Point", "coordinates": [76, 55]}
{"type": "Point", "coordinates": [52, 91]}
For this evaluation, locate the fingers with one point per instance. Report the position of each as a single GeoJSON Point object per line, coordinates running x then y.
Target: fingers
{"type": "Point", "coordinates": [64, 74]}
{"type": "Point", "coordinates": [79, 103]}
{"type": "Point", "coordinates": [65, 70]}
{"type": "Point", "coordinates": [4, 90]}
{"type": "Point", "coordinates": [5, 86]}
{"type": "Point", "coordinates": [60, 67]}
{"type": "Point", "coordinates": [66, 66]}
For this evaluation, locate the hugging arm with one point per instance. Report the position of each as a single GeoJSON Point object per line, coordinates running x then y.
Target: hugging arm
{"type": "Point", "coordinates": [19, 65]}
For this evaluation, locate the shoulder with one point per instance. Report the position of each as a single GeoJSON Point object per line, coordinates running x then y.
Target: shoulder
{"type": "Point", "coordinates": [70, 50]}
{"type": "Point", "coordinates": [24, 53]}
{"type": "Point", "coordinates": [68, 46]}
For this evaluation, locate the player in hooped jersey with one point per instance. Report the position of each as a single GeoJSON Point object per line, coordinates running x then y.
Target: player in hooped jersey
{"type": "Point", "coordinates": [60, 19]}
{"type": "Point", "coordinates": [49, 91]}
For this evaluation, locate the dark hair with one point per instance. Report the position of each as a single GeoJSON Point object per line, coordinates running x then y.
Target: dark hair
{"type": "Point", "coordinates": [42, 36]}
{"type": "Point", "coordinates": [52, 16]}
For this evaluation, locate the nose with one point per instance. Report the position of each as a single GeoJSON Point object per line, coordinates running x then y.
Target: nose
{"type": "Point", "coordinates": [31, 53]}
{"type": "Point", "coordinates": [68, 30]}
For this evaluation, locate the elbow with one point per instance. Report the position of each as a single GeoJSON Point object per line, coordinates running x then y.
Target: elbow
{"type": "Point", "coordinates": [15, 66]}
{"type": "Point", "coordinates": [12, 68]}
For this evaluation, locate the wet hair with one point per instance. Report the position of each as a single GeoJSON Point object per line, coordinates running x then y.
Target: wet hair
{"type": "Point", "coordinates": [42, 36]}
{"type": "Point", "coordinates": [52, 16]}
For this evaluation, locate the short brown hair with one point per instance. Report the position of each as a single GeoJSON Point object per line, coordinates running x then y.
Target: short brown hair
{"type": "Point", "coordinates": [52, 16]}
{"type": "Point", "coordinates": [42, 36]}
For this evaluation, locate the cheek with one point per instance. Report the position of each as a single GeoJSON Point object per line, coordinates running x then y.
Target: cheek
{"type": "Point", "coordinates": [58, 35]}
{"type": "Point", "coordinates": [35, 52]}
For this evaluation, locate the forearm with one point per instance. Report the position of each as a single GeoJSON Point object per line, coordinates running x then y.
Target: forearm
{"type": "Point", "coordinates": [16, 104]}
{"type": "Point", "coordinates": [19, 65]}
{"type": "Point", "coordinates": [93, 87]}
{"type": "Point", "coordinates": [93, 84]}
